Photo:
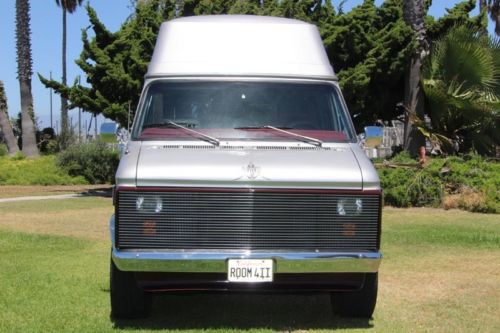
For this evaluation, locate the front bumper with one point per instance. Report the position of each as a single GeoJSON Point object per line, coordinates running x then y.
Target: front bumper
{"type": "Point", "coordinates": [201, 261]}
{"type": "Point", "coordinates": [215, 261]}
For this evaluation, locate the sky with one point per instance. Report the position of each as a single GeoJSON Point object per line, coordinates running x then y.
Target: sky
{"type": "Point", "coordinates": [46, 28]}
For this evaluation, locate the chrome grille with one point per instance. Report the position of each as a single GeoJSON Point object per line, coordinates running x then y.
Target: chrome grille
{"type": "Point", "coordinates": [246, 220]}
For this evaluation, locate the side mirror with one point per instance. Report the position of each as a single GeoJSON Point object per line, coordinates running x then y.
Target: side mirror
{"type": "Point", "coordinates": [374, 136]}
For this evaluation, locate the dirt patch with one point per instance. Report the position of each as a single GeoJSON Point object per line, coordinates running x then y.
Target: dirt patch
{"type": "Point", "coordinates": [11, 191]}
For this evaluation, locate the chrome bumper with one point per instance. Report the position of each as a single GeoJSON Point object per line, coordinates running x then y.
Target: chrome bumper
{"type": "Point", "coordinates": [212, 261]}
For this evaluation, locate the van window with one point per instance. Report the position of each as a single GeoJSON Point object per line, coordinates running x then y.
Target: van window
{"type": "Point", "coordinates": [241, 110]}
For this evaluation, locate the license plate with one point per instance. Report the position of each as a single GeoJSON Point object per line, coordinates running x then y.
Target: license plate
{"type": "Point", "coordinates": [250, 270]}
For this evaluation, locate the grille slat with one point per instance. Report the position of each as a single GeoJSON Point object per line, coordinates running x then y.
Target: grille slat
{"type": "Point", "coordinates": [222, 220]}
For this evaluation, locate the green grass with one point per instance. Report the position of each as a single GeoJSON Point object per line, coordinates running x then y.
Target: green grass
{"type": "Point", "coordinates": [448, 228]}
{"type": "Point", "coordinates": [35, 171]}
{"type": "Point", "coordinates": [440, 273]}
{"type": "Point", "coordinates": [52, 284]}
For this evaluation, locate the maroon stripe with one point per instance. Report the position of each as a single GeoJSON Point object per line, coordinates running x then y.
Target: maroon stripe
{"type": "Point", "coordinates": [245, 190]}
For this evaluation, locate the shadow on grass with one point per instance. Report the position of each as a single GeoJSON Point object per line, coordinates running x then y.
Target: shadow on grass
{"type": "Point", "coordinates": [282, 312]}
{"type": "Point", "coordinates": [105, 192]}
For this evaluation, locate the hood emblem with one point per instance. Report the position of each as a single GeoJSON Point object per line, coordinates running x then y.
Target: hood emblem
{"type": "Point", "coordinates": [252, 171]}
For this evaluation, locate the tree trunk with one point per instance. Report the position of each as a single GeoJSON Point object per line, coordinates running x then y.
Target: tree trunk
{"type": "Point", "coordinates": [64, 101]}
{"type": "Point", "coordinates": [8, 134]}
{"type": "Point", "coordinates": [5, 124]}
{"type": "Point", "coordinates": [29, 139]}
{"type": "Point", "coordinates": [414, 106]}
{"type": "Point", "coordinates": [24, 71]}
{"type": "Point", "coordinates": [414, 13]}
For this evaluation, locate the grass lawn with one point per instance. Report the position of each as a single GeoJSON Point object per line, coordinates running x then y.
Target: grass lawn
{"type": "Point", "coordinates": [440, 273]}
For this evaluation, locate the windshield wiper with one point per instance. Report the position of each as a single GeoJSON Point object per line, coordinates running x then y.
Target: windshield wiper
{"type": "Point", "coordinates": [169, 123]}
{"type": "Point", "coordinates": [306, 139]}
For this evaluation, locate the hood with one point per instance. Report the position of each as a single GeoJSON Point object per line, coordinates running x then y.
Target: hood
{"type": "Point", "coordinates": [200, 166]}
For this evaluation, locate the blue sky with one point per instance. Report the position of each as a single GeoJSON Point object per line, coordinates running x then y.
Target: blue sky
{"type": "Point", "coordinates": [46, 29]}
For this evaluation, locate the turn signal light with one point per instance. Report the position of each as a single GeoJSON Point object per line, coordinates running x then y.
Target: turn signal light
{"type": "Point", "coordinates": [349, 229]}
{"type": "Point", "coordinates": [149, 228]}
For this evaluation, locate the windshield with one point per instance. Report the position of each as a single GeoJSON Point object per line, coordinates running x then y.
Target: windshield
{"type": "Point", "coordinates": [242, 111]}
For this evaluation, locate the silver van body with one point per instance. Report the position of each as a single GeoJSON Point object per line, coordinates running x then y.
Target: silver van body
{"type": "Point", "coordinates": [202, 200]}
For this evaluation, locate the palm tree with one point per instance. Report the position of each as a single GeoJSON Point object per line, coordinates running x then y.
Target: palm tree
{"type": "Point", "coordinates": [24, 72]}
{"type": "Point", "coordinates": [462, 89]}
{"type": "Point", "coordinates": [5, 124]}
{"type": "Point", "coordinates": [67, 6]}
{"type": "Point", "coordinates": [414, 16]}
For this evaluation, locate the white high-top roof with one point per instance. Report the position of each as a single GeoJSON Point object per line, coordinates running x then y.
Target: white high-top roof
{"type": "Point", "coordinates": [239, 45]}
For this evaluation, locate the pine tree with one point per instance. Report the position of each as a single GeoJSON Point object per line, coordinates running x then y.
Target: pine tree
{"type": "Point", "coordinates": [369, 47]}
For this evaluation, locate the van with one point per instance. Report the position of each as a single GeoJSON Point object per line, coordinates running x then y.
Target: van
{"type": "Point", "coordinates": [243, 172]}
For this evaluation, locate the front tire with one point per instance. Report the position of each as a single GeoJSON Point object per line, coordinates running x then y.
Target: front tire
{"type": "Point", "coordinates": [359, 303]}
{"type": "Point", "coordinates": [128, 301]}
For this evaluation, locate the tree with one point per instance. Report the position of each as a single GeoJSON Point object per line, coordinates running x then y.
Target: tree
{"type": "Point", "coordinates": [369, 47]}
{"type": "Point", "coordinates": [458, 15]}
{"type": "Point", "coordinates": [115, 63]}
{"type": "Point", "coordinates": [462, 89]}
{"type": "Point", "coordinates": [5, 124]}
{"type": "Point", "coordinates": [24, 72]}
{"type": "Point", "coordinates": [414, 15]}
{"type": "Point", "coordinates": [67, 6]}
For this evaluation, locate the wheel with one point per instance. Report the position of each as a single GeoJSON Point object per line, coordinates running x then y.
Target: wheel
{"type": "Point", "coordinates": [128, 301]}
{"type": "Point", "coordinates": [359, 303]}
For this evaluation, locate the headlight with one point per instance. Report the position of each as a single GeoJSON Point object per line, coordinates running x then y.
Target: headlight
{"type": "Point", "coordinates": [149, 204]}
{"type": "Point", "coordinates": [359, 206]}
{"type": "Point", "coordinates": [349, 206]}
{"type": "Point", "coordinates": [341, 207]}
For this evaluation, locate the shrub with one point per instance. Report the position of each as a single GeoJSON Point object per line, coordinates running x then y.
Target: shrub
{"type": "Point", "coordinates": [58, 143]}
{"type": "Point", "coordinates": [38, 171]}
{"type": "Point", "coordinates": [410, 188]}
{"type": "Point", "coordinates": [467, 182]}
{"type": "Point", "coordinates": [95, 161]}
{"type": "Point", "coordinates": [474, 174]}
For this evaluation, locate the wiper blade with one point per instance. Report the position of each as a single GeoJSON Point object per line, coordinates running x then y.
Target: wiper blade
{"type": "Point", "coordinates": [311, 141]}
{"type": "Point", "coordinates": [258, 127]}
{"type": "Point", "coordinates": [306, 139]}
{"type": "Point", "coordinates": [169, 123]}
